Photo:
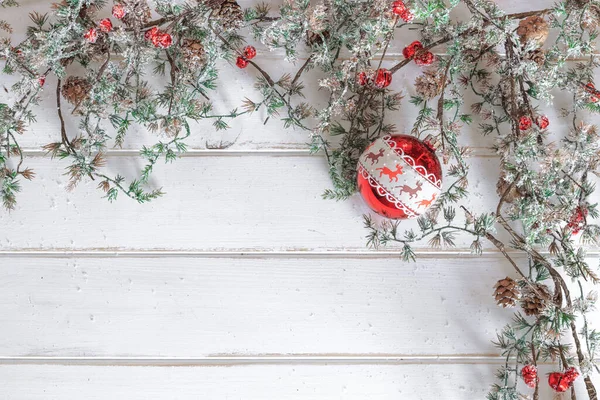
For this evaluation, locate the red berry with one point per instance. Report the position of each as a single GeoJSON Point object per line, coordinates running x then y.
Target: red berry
{"type": "Point", "coordinates": [363, 79]}
{"type": "Point", "coordinates": [398, 7]}
{"type": "Point", "coordinates": [105, 25]}
{"type": "Point", "coordinates": [524, 123]}
{"type": "Point", "coordinates": [542, 121]}
{"type": "Point", "coordinates": [529, 374]}
{"type": "Point", "coordinates": [557, 381]}
{"type": "Point", "coordinates": [164, 40]}
{"type": "Point", "coordinates": [383, 78]}
{"type": "Point", "coordinates": [407, 16]}
{"type": "Point", "coordinates": [426, 58]}
{"type": "Point", "coordinates": [91, 35]}
{"type": "Point", "coordinates": [241, 62]}
{"type": "Point", "coordinates": [249, 52]}
{"type": "Point", "coordinates": [42, 80]}
{"type": "Point", "coordinates": [410, 50]}
{"type": "Point", "coordinates": [151, 33]}
{"type": "Point", "coordinates": [571, 374]}
{"type": "Point", "coordinates": [118, 11]}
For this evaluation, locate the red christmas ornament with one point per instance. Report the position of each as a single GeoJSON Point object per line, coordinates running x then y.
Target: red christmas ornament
{"type": "Point", "coordinates": [542, 121]}
{"type": "Point", "coordinates": [407, 16]}
{"type": "Point", "coordinates": [524, 123]}
{"type": "Point", "coordinates": [383, 78]}
{"type": "Point", "coordinates": [363, 79]}
{"type": "Point", "coordinates": [425, 58]}
{"type": "Point", "coordinates": [105, 25]}
{"type": "Point", "coordinates": [91, 35]}
{"type": "Point", "coordinates": [557, 381]}
{"type": "Point", "coordinates": [529, 374]}
{"type": "Point", "coordinates": [241, 62]}
{"type": "Point", "coordinates": [410, 50]}
{"type": "Point", "coordinates": [399, 176]}
{"type": "Point", "coordinates": [249, 52]}
{"type": "Point", "coordinates": [571, 375]}
{"type": "Point", "coordinates": [398, 7]}
{"type": "Point", "coordinates": [118, 11]}
{"type": "Point", "coordinates": [577, 221]}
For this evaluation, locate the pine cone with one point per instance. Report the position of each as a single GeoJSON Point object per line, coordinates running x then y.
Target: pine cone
{"type": "Point", "coordinates": [506, 292]}
{"type": "Point", "coordinates": [534, 303]}
{"type": "Point", "coordinates": [502, 186]}
{"type": "Point", "coordinates": [230, 15]}
{"type": "Point", "coordinates": [591, 17]}
{"type": "Point", "coordinates": [137, 13]}
{"type": "Point", "coordinates": [533, 29]}
{"type": "Point", "coordinates": [316, 39]}
{"type": "Point", "coordinates": [193, 52]}
{"type": "Point", "coordinates": [75, 89]}
{"type": "Point", "coordinates": [538, 56]}
{"type": "Point", "coordinates": [429, 85]}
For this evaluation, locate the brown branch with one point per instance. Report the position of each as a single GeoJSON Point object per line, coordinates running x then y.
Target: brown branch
{"type": "Point", "coordinates": [63, 130]}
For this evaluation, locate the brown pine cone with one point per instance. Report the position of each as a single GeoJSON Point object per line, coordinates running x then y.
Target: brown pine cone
{"type": "Point", "coordinates": [513, 194]}
{"type": "Point", "coordinates": [429, 85]}
{"type": "Point", "coordinates": [538, 56]}
{"type": "Point", "coordinates": [75, 89]}
{"type": "Point", "coordinates": [533, 29]}
{"type": "Point", "coordinates": [591, 17]}
{"type": "Point", "coordinates": [316, 39]}
{"type": "Point", "coordinates": [193, 52]}
{"type": "Point", "coordinates": [137, 13]}
{"type": "Point", "coordinates": [534, 303]}
{"type": "Point", "coordinates": [230, 15]}
{"type": "Point", "coordinates": [506, 292]}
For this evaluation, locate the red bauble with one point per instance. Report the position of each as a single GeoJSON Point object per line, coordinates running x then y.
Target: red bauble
{"type": "Point", "coordinates": [407, 16]}
{"type": "Point", "coordinates": [150, 34]}
{"type": "Point", "coordinates": [425, 58]}
{"type": "Point", "coordinates": [571, 374]}
{"type": "Point", "coordinates": [399, 176]}
{"type": "Point", "coordinates": [363, 79]}
{"type": "Point", "coordinates": [241, 62]}
{"type": "Point", "coordinates": [249, 52]}
{"type": "Point", "coordinates": [410, 50]}
{"type": "Point", "coordinates": [529, 374]}
{"type": "Point", "coordinates": [118, 11]}
{"type": "Point", "coordinates": [42, 80]}
{"type": "Point", "coordinates": [105, 25]}
{"type": "Point", "coordinates": [383, 78]}
{"type": "Point", "coordinates": [398, 7]}
{"type": "Point", "coordinates": [163, 40]}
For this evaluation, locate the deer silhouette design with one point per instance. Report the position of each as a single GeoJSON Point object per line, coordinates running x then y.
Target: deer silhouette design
{"type": "Point", "coordinates": [427, 203]}
{"type": "Point", "coordinates": [412, 191]}
{"type": "Point", "coordinates": [392, 174]}
{"type": "Point", "coordinates": [374, 157]}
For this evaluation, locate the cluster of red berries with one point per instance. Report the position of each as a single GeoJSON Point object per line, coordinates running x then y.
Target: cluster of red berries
{"type": "Point", "coordinates": [561, 381]}
{"type": "Point", "coordinates": [591, 89]}
{"type": "Point", "coordinates": [577, 221]}
{"type": "Point", "coordinates": [416, 51]}
{"type": "Point", "coordinates": [541, 121]}
{"type": "Point", "coordinates": [382, 78]}
{"type": "Point", "coordinates": [399, 9]}
{"type": "Point", "coordinates": [105, 25]}
{"type": "Point", "coordinates": [529, 374]}
{"type": "Point", "coordinates": [159, 38]}
{"type": "Point", "coordinates": [249, 54]}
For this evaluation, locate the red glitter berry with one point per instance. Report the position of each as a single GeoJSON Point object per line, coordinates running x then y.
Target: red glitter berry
{"type": "Point", "coordinates": [151, 33]}
{"type": "Point", "coordinates": [542, 121]}
{"type": "Point", "coordinates": [383, 78]}
{"type": "Point", "coordinates": [118, 11]}
{"type": "Point", "coordinates": [363, 79]}
{"type": "Point", "coordinates": [42, 80]}
{"type": "Point", "coordinates": [571, 375]}
{"type": "Point", "coordinates": [591, 89]}
{"type": "Point", "coordinates": [249, 52]}
{"type": "Point", "coordinates": [398, 7]}
{"type": "Point", "coordinates": [91, 35]}
{"type": "Point", "coordinates": [426, 58]}
{"type": "Point", "coordinates": [105, 25]}
{"type": "Point", "coordinates": [407, 16]}
{"type": "Point", "coordinates": [557, 381]}
{"type": "Point", "coordinates": [577, 221]}
{"type": "Point", "coordinates": [241, 62]}
{"type": "Point", "coordinates": [529, 374]}
{"type": "Point", "coordinates": [164, 40]}
{"type": "Point", "coordinates": [524, 123]}
{"type": "Point", "coordinates": [410, 50]}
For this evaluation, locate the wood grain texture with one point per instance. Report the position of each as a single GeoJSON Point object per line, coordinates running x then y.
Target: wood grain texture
{"type": "Point", "coordinates": [187, 307]}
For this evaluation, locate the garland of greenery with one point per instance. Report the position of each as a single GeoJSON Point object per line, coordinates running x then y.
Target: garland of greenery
{"type": "Point", "coordinates": [504, 61]}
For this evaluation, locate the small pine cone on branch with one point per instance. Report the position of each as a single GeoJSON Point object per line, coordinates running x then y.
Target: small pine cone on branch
{"type": "Point", "coordinates": [193, 53]}
{"type": "Point", "coordinates": [316, 39]}
{"type": "Point", "coordinates": [137, 13]}
{"type": "Point", "coordinates": [533, 29]}
{"type": "Point", "coordinates": [533, 302]}
{"type": "Point", "coordinates": [230, 15]}
{"type": "Point", "coordinates": [538, 56]}
{"type": "Point", "coordinates": [501, 188]}
{"type": "Point", "coordinates": [429, 84]}
{"type": "Point", "coordinates": [76, 89]}
{"type": "Point", "coordinates": [506, 292]}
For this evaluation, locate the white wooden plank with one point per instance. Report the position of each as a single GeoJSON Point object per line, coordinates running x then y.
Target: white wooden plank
{"type": "Point", "coordinates": [374, 382]}
{"type": "Point", "coordinates": [187, 307]}
{"type": "Point", "coordinates": [215, 203]}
